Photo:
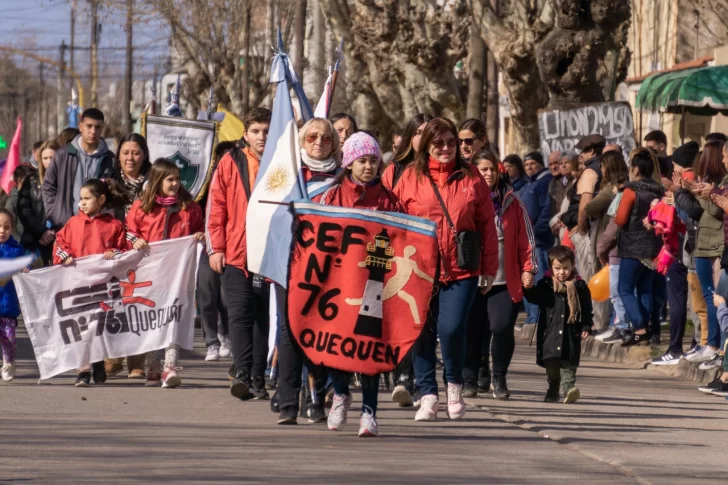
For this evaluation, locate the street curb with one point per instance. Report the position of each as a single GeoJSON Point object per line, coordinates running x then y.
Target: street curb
{"type": "Point", "coordinates": [637, 357]}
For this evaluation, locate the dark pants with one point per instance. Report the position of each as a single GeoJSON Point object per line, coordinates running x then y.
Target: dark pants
{"type": "Point", "coordinates": [210, 301]}
{"type": "Point", "coordinates": [492, 315]}
{"type": "Point", "coordinates": [369, 388]}
{"type": "Point", "coordinates": [448, 318]}
{"type": "Point", "coordinates": [291, 360]}
{"type": "Point", "coordinates": [405, 370]}
{"type": "Point", "coordinates": [677, 297]}
{"type": "Point", "coordinates": [248, 320]}
{"type": "Point", "coordinates": [659, 297]}
{"type": "Point", "coordinates": [562, 372]}
{"type": "Point", "coordinates": [704, 268]}
{"type": "Point", "coordinates": [635, 290]}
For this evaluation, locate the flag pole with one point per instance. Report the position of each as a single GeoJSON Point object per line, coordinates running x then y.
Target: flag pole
{"type": "Point", "coordinates": [335, 73]}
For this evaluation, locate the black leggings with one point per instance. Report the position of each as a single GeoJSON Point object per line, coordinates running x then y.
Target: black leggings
{"type": "Point", "coordinates": [493, 315]}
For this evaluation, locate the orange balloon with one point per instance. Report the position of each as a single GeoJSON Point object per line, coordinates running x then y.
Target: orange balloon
{"type": "Point", "coordinates": [599, 285]}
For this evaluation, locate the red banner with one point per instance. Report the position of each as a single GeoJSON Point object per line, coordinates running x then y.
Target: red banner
{"type": "Point", "coordinates": [359, 285]}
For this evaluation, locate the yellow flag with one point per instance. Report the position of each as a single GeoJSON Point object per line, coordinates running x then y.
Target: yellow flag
{"type": "Point", "coordinates": [231, 128]}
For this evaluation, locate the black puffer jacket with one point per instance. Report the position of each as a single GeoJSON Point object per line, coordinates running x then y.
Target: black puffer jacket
{"type": "Point", "coordinates": [635, 241]}
{"type": "Point", "coordinates": [31, 212]}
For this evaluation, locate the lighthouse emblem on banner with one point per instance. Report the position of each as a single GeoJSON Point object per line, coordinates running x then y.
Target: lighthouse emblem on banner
{"type": "Point", "coordinates": [378, 263]}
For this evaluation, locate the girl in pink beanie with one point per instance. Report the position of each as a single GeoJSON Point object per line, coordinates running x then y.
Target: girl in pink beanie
{"type": "Point", "coordinates": [358, 186]}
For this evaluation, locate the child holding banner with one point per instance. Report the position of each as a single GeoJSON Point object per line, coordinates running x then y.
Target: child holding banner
{"type": "Point", "coordinates": [94, 230]}
{"type": "Point", "coordinates": [358, 186]}
{"type": "Point", "coordinates": [166, 211]}
{"type": "Point", "coordinates": [9, 306]}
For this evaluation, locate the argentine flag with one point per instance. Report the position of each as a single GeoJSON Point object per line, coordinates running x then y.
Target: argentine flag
{"type": "Point", "coordinates": [269, 227]}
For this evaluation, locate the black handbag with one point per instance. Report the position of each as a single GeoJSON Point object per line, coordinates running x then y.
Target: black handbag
{"type": "Point", "coordinates": [468, 243]}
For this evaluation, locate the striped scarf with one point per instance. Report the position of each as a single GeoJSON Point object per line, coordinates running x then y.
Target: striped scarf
{"type": "Point", "coordinates": [133, 187]}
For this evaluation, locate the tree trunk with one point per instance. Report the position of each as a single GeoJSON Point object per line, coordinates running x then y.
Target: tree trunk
{"type": "Point", "coordinates": [316, 57]}
{"type": "Point", "coordinates": [476, 75]}
{"type": "Point", "coordinates": [299, 33]}
{"type": "Point", "coordinates": [245, 55]}
{"type": "Point", "coordinates": [492, 110]}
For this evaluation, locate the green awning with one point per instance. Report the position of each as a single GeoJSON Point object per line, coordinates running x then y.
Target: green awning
{"type": "Point", "coordinates": [701, 91]}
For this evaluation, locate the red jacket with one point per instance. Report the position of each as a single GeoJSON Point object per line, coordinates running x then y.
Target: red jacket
{"type": "Point", "coordinates": [83, 236]}
{"type": "Point", "coordinates": [227, 208]}
{"type": "Point", "coordinates": [151, 227]}
{"type": "Point", "coordinates": [518, 244]}
{"type": "Point", "coordinates": [467, 198]}
{"type": "Point", "coordinates": [350, 194]}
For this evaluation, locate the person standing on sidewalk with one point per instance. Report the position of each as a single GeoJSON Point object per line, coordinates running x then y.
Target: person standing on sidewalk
{"type": "Point", "coordinates": [225, 236]}
{"type": "Point", "coordinates": [537, 201]}
{"type": "Point", "coordinates": [442, 187]}
{"type": "Point", "coordinates": [494, 314]}
{"type": "Point", "coordinates": [564, 320]}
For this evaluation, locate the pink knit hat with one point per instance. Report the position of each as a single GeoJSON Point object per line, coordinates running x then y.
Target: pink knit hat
{"type": "Point", "coordinates": [359, 145]}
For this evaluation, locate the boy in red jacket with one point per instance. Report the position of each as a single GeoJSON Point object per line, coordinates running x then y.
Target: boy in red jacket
{"type": "Point", "coordinates": [246, 294]}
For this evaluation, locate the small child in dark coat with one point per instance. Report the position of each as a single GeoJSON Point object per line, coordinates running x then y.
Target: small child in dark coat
{"type": "Point", "coordinates": [565, 318]}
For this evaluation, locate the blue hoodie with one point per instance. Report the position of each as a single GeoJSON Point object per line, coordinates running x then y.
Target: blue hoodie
{"type": "Point", "coordinates": [535, 197]}
{"type": "Point", "coordinates": [9, 305]}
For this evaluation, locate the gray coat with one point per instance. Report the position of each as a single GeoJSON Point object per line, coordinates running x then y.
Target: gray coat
{"type": "Point", "coordinates": [59, 180]}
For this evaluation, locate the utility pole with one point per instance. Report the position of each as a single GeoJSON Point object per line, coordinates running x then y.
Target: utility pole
{"type": "Point", "coordinates": [94, 52]}
{"type": "Point", "coordinates": [60, 109]}
{"type": "Point", "coordinates": [246, 58]}
{"type": "Point", "coordinates": [24, 116]}
{"type": "Point", "coordinates": [41, 105]}
{"type": "Point", "coordinates": [128, 80]}
{"type": "Point", "coordinates": [73, 35]}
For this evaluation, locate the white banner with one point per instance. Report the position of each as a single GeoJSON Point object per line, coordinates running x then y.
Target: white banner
{"type": "Point", "coordinates": [98, 309]}
{"type": "Point", "coordinates": [188, 143]}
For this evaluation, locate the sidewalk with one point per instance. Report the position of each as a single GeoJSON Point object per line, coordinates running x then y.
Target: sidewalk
{"type": "Point", "coordinates": [631, 427]}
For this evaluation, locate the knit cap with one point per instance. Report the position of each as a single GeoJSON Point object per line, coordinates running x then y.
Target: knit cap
{"type": "Point", "coordinates": [359, 145]}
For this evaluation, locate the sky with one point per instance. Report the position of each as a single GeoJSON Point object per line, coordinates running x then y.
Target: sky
{"type": "Point", "coordinates": [40, 26]}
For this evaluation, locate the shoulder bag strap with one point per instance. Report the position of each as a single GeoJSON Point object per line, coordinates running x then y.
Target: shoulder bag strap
{"type": "Point", "coordinates": [442, 203]}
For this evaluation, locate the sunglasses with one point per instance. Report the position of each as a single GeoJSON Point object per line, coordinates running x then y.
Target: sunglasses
{"type": "Point", "coordinates": [325, 139]}
{"type": "Point", "coordinates": [439, 144]}
{"type": "Point", "coordinates": [468, 141]}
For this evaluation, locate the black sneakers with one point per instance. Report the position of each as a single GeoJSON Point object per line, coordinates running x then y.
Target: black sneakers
{"type": "Point", "coordinates": [240, 387]}
{"type": "Point", "coordinates": [500, 389]}
{"type": "Point", "coordinates": [258, 389]}
{"type": "Point", "coordinates": [470, 389]}
{"type": "Point", "coordinates": [714, 385]}
{"type": "Point", "coordinates": [99, 372]}
{"type": "Point", "coordinates": [632, 339]}
{"type": "Point", "coordinates": [287, 417]}
{"type": "Point", "coordinates": [484, 379]}
{"type": "Point", "coordinates": [722, 390]}
{"type": "Point", "coordinates": [275, 403]}
{"type": "Point", "coordinates": [316, 413]}
{"type": "Point", "coordinates": [83, 379]}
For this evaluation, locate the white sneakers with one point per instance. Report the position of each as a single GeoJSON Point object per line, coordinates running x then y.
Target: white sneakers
{"type": "Point", "coordinates": [455, 401]}
{"type": "Point", "coordinates": [368, 427]}
{"type": "Point", "coordinates": [170, 379]}
{"type": "Point", "coordinates": [428, 408]}
{"type": "Point", "coordinates": [225, 348]}
{"type": "Point", "coordinates": [338, 413]}
{"type": "Point", "coordinates": [703, 355]}
{"type": "Point", "coordinates": [8, 371]}
{"type": "Point", "coordinates": [213, 353]}
{"type": "Point", "coordinates": [430, 403]}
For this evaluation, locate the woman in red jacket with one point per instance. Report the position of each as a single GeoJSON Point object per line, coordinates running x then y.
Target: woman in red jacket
{"type": "Point", "coordinates": [440, 186]}
{"type": "Point", "coordinates": [166, 211]}
{"type": "Point", "coordinates": [494, 313]}
{"type": "Point", "coordinates": [93, 231]}
{"type": "Point", "coordinates": [359, 186]}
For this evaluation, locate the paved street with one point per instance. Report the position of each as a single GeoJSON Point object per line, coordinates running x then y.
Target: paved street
{"type": "Point", "coordinates": [631, 426]}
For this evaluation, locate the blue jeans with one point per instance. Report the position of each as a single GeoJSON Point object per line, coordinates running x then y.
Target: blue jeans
{"type": "Point", "coordinates": [542, 258]}
{"type": "Point", "coordinates": [369, 388]}
{"type": "Point", "coordinates": [704, 268]}
{"type": "Point", "coordinates": [448, 318]}
{"type": "Point", "coordinates": [636, 277]}
{"type": "Point", "coordinates": [620, 316]}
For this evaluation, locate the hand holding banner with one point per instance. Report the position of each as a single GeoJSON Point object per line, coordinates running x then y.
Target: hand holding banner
{"type": "Point", "coordinates": [359, 285]}
{"type": "Point", "coordinates": [98, 309]}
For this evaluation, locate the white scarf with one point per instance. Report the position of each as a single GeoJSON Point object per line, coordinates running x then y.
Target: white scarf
{"type": "Point", "coordinates": [319, 166]}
